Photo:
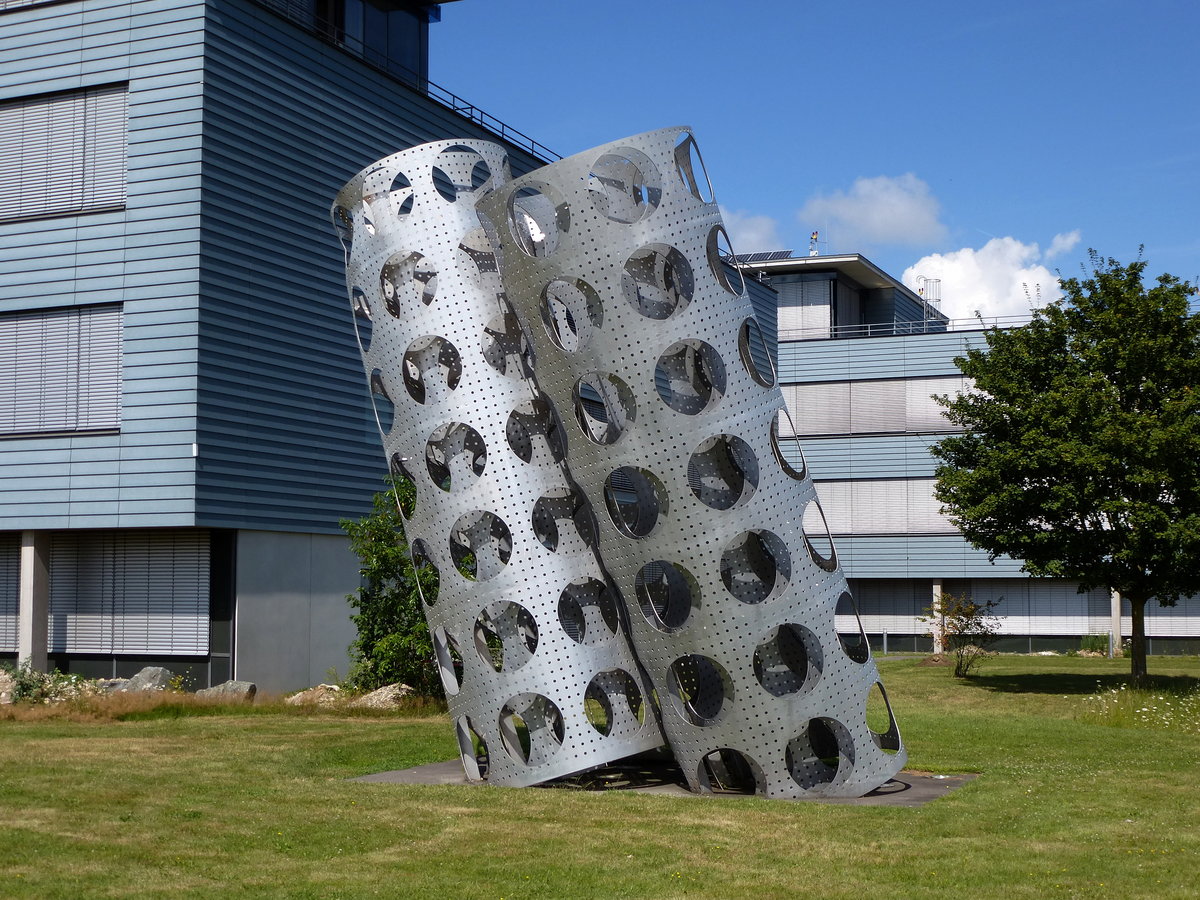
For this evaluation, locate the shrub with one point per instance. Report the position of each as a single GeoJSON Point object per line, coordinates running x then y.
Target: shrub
{"type": "Point", "coordinates": [968, 629]}
{"type": "Point", "coordinates": [393, 642]}
{"type": "Point", "coordinates": [1094, 643]}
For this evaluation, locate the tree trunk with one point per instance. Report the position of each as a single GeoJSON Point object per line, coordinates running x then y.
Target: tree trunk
{"type": "Point", "coordinates": [1137, 640]}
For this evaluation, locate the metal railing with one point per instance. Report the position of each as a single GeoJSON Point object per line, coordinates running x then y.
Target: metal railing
{"type": "Point", "coordinates": [891, 329]}
{"type": "Point", "coordinates": [301, 15]}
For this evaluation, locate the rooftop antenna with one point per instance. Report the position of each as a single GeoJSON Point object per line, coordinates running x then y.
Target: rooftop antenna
{"type": "Point", "coordinates": [813, 240]}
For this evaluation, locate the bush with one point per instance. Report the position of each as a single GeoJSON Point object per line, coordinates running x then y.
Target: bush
{"type": "Point", "coordinates": [31, 686]}
{"type": "Point", "coordinates": [1094, 643]}
{"type": "Point", "coordinates": [968, 629]}
{"type": "Point", "coordinates": [393, 642]}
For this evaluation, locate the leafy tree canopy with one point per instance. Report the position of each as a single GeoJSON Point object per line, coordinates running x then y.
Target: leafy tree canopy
{"type": "Point", "coordinates": [1081, 446]}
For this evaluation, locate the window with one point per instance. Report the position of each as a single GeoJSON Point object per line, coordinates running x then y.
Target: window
{"type": "Point", "coordinates": [883, 506]}
{"type": "Point", "coordinates": [63, 153]}
{"type": "Point", "coordinates": [883, 406]}
{"type": "Point", "coordinates": [60, 370]}
{"type": "Point", "coordinates": [10, 585]}
{"type": "Point", "coordinates": [13, 4]}
{"type": "Point", "coordinates": [129, 592]}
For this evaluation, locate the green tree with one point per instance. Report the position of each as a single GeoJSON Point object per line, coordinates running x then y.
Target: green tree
{"type": "Point", "coordinates": [393, 642]}
{"type": "Point", "coordinates": [1081, 446]}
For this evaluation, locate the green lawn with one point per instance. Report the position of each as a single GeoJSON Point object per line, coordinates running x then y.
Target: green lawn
{"type": "Point", "coordinates": [258, 805]}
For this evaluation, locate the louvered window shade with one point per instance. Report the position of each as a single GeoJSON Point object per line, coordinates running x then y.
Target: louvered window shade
{"type": "Point", "coordinates": [13, 4]}
{"type": "Point", "coordinates": [129, 592]}
{"type": "Point", "coordinates": [878, 406]}
{"type": "Point", "coordinates": [60, 370]}
{"type": "Point", "coordinates": [882, 506]}
{"type": "Point", "coordinates": [10, 589]}
{"type": "Point", "coordinates": [63, 153]}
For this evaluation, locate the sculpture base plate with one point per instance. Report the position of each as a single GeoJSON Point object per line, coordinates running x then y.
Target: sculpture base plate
{"type": "Point", "coordinates": [657, 774]}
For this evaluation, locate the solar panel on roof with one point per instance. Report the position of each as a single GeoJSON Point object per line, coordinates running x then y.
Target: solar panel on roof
{"type": "Point", "coordinates": [767, 256]}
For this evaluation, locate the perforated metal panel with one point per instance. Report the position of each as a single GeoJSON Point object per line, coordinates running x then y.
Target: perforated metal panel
{"type": "Point", "coordinates": [582, 393]}
{"type": "Point", "coordinates": [538, 670]}
{"type": "Point", "coordinates": [719, 550]}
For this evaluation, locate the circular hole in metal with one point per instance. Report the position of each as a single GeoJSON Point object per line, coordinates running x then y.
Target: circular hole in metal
{"type": "Point", "coordinates": [381, 401]}
{"type": "Point", "coordinates": [821, 752]}
{"type": "Point", "coordinates": [756, 357]}
{"type": "Point", "coordinates": [727, 771]}
{"type": "Point", "coordinates": [562, 521]}
{"type": "Point", "coordinates": [786, 447]}
{"type": "Point", "coordinates": [362, 318]}
{"type": "Point", "coordinates": [404, 489]}
{"type": "Point", "coordinates": [405, 279]}
{"type": "Point", "coordinates": [455, 456]}
{"type": "Point", "coordinates": [788, 661]}
{"type": "Point", "coordinates": [537, 218]}
{"type": "Point", "coordinates": [400, 196]}
{"type": "Point", "coordinates": [534, 432]}
{"type": "Point", "coordinates": [636, 499]}
{"type": "Point", "coordinates": [625, 185]}
{"type": "Point", "coordinates": [667, 595]}
{"type": "Point", "coordinates": [722, 263]}
{"type": "Point", "coordinates": [723, 472]}
{"type": "Point", "coordinates": [690, 168]}
{"type": "Point", "coordinates": [449, 660]}
{"type": "Point", "coordinates": [817, 537]}
{"type": "Point", "coordinates": [480, 545]}
{"type": "Point", "coordinates": [476, 249]}
{"type": "Point", "coordinates": [506, 636]}
{"type": "Point", "coordinates": [506, 347]}
{"type": "Point", "coordinates": [850, 630]}
{"type": "Point", "coordinates": [880, 721]}
{"type": "Point", "coordinates": [690, 377]}
{"type": "Point", "coordinates": [472, 748]}
{"type": "Point", "coordinates": [613, 704]}
{"type": "Point", "coordinates": [571, 312]}
{"type": "Point", "coordinates": [343, 224]}
{"type": "Point", "coordinates": [657, 281]}
{"type": "Point", "coordinates": [587, 612]}
{"type": "Point", "coordinates": [432, 369]}
{"type": "Point", "coordinates": [699, 688]}
{"type": "Point", "coordinates": [604, 406]}
{"type": "Point", "coordinates": [756, 567]}
{"type": "Point", "coordinates": [531, 728]}
{"type": "Point", "coordinates": [459, 170]}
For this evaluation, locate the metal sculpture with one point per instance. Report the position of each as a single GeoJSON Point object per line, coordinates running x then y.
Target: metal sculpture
{"type": "Point", "coordinates": [616, 355]}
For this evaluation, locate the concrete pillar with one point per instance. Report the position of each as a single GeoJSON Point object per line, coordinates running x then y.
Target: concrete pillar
{"type": "Point", "coordinates": [1114, 629]}
{"type": "Point", "coordinates": [938, 625]}
{"type": "Point", "coordinates": [34, 608]}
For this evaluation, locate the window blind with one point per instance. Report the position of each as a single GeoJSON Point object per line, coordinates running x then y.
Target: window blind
{"type": "Point", "coordinates": [129, 592]}
{"type": "Point", "coordinates": [10, 589]}
{"type": "Point", "coordinates": [60, 370]}
{"type": "Point", "coordinates": [877, 406]}
{"type": "Point", "coordinates": [63, 153]}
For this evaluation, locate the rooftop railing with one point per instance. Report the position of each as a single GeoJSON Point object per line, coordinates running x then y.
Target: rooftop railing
{"type": "Point", "coordinates": [891, 329]}
{"type": "Point", "coordinates": [301, 14]}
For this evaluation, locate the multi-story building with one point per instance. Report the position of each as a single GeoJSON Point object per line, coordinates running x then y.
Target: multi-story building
{"type": "Point", "coordinates": [183, 415]}
{"type": "Point", "coordinates": [860, 359]}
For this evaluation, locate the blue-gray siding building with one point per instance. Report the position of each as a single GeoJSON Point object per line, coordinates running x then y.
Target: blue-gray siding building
{"type": "Point", "coordinates": [860, 359]}
{"type": "Point", "coordinates": [183, 414]}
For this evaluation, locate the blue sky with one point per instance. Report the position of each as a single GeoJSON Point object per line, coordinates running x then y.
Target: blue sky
{"type": "Point", "coordinates": [986, 144]}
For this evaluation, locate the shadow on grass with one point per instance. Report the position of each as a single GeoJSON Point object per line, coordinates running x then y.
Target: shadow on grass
{"type": "Point", "coordinates": [1071, 683]}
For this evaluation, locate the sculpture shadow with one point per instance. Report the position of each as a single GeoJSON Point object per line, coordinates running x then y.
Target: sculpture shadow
{"type": "Point", "coordinates": [1072, 683]}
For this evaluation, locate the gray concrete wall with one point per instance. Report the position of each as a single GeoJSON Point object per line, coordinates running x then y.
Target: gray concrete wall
{"type": "Point", "coordinates": [292, 620]}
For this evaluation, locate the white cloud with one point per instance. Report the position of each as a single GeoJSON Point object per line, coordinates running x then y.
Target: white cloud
{"type": "Point", "coordinates": [1004, 277]}
{"type": "Point", "coordinates": [1062, 243]}
{"type": "Point", "coordinates": [749, 233]}
{"type": "Point", "coordinates": [883, 210]}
